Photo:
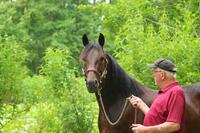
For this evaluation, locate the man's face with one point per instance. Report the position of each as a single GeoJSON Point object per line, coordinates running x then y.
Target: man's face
{"type": "Point", "coordinates": [157, 75]}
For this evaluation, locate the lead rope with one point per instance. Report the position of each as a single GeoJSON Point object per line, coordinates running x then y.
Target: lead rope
{"type": "Point", "coordinates": [135, 120]}
{"type": "Point", "coordinates": [107, 118]}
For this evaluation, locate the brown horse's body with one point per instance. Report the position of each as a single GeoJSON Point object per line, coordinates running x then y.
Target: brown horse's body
{"type": "Point", "coordinates": [192, 95]}
{"type": "Point", "coordinates": [104, 76]}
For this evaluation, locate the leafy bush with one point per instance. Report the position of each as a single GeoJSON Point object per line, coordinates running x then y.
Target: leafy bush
{"type": "Point", "coordinates": [79, 109]}
{"type": "Point", "coordinates": [41, 117]}
{"type": "Point", "coordinates": [56, 68]}
{"type": "Point", "coordinates": [54, 101]}
{"type": "Point", "coordinates": [70, 92]}
{"type": "Point", "coordinates": [144, 31]}
{"type": "Point", "coordinates": [36, 89]}
{"type": "Point", "coordinates": [12, 70]}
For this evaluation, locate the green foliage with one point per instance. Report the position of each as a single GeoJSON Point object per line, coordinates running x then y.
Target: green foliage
{"type": "Point", "coordinates": [39, 24]}
{"type": "Point", "coordinates": [147, 30]}
{"type": "Point", "coordinates": [12, 70]}
{"type": "Point", "coordinates": [70, 92]}
{"type": "Point", "coordinates": [54, 101]}
{"type": "Point", "coordinates": [79, 109]}
{"type": "Point", "coordinates": [42, 117]}
{"type": "Point", "coordinates": [56, 68]}
{"type": "Point", "coordinates": [36, 89]}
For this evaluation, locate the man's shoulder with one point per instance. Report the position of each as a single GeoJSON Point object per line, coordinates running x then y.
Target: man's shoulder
{"type": "Point", "coordinates": [177, 90]}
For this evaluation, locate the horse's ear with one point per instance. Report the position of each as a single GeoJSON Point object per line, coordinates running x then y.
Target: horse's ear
{"type": "Point", "coordinates": [101, 39]}
{"type": "Point", "coordinates": [85, 40]}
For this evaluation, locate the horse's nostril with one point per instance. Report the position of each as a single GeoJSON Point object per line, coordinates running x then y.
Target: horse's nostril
{"type": "Point", "coordinates": [92, 86]}
{"type": "Point", "coordinates": [91, 83]}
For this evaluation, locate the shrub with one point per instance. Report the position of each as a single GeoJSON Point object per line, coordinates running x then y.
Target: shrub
{"type": "Point", "coordinates": [12, 70]}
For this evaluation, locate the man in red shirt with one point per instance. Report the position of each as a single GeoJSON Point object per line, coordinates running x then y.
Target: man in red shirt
{"type": "Point", "coordinates": [166, 114]}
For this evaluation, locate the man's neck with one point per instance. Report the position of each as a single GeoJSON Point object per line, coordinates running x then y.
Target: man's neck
{"type": "Point", "coordinates": [166, 83]}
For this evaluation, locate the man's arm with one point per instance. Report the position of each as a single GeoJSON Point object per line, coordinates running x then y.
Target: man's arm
{"type": "Point", "coordinates": [166, 127]}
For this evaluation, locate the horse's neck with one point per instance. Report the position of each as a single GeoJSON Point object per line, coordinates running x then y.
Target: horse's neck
{"type": "Point", "coordinates": [114, 84]}
{"type": "Point", "coordinates": [118, 86]}
{"type": "Point", "coordinates": [115, 89]}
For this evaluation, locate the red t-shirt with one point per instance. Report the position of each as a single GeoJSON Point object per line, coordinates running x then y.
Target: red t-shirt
{"type": "Point", "coordinates": [168, 106]}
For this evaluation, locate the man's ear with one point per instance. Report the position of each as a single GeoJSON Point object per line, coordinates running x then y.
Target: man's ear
{"type": "Point", "coordinates": [163, 76]}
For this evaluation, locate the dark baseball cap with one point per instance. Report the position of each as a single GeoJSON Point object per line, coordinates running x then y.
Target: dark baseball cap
{"type": "Point", "coordinates": [164, 64]}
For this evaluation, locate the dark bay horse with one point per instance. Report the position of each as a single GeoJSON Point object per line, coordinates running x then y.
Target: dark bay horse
{"type": "Point", "coordinates": [112, 86]}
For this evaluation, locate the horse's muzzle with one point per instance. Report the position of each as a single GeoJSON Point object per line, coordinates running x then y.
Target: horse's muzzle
{"type": "Point", "coordinates": [92, 86]}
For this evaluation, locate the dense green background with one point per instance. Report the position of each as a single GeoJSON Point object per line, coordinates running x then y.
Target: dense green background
{"type": "Point", "coordinates": [41, 85]}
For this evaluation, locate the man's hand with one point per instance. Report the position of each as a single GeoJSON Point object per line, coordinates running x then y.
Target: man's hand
{"type": "Point", "coordinates": [166, 127]}
{"type": "Point", "coordinates": [135, 101]}
{"type": "Point", "coordinates": [138, 128]}
{"type": "Point", "coordinates": [138, 103]}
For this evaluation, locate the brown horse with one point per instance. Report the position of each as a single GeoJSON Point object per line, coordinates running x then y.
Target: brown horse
{"type": "Point", "coordinates": [112, 86]}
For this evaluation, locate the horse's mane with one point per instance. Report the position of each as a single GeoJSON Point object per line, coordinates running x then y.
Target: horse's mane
{"type": "Point", "coordinates": [122, 82]}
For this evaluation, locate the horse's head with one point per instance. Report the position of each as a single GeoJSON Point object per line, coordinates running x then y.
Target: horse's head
{"type": "Point", "coordinates": [95, 63]}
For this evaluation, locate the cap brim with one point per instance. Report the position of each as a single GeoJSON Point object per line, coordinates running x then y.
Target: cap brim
{"type": "Point", "coordinates": [152, 65]}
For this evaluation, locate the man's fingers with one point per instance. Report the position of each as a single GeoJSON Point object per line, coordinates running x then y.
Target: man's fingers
{"type": "Point", "coordinates": [134, 102]}
{"type": "Point", "coordinates": [134, 127]}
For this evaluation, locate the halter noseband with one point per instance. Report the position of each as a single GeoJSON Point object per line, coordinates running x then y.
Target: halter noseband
{"type": "Point", "coordinates": [93, 70]}
{"type": "Point", "coordinates": [101, 75]}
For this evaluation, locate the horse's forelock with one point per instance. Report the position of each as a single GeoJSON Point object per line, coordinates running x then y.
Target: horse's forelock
{"type": "Point", "coordinates": [88, 48]}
